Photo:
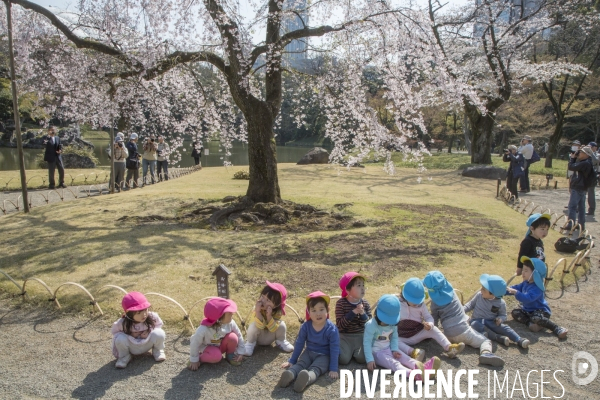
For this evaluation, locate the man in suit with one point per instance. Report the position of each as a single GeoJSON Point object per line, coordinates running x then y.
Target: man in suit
{"type": "Point", "coordinates": [53, 158]}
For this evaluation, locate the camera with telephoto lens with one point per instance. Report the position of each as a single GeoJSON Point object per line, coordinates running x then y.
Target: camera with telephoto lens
{"type": "Point", "coordinates": [120, 144]}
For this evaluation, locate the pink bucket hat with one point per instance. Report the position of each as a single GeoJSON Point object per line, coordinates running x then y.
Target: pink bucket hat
{"type": "Point", "coordinates": [215, 308]}
{"type": "Point", "coordinates": [282, 290]}
{"type": "Point", "coordinates": [348, 276]}
{"type": "Point", "coordinates": [134, 301]}
{"type": "Point", "coordinates": [315, 295]}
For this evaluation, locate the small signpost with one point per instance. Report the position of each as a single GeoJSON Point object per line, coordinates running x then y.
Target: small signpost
{"type": "Point", "coordinates": [206, 152]}
{"type": "Point", "coordinates": [222, 274]}
{"type": "Point", "coordinates": [549, 177]}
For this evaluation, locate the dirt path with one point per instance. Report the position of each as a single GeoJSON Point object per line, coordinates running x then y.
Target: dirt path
{"type": "Point", "coordinates": [49, 355]}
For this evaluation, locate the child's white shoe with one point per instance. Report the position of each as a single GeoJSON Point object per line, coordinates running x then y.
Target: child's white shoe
{"type": "Point", "coordinates": [249, 348]}
{"type": "Point", "coordinates": [159, 355]}
{"type": "Point", "coordinates": [123, 361]}
{"type": "Point", "coordinates": [418, 354]}
{"type": "Point", "coordinates": [285, 345]}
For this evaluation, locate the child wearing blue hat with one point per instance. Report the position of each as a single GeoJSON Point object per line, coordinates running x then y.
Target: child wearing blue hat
{"type": "Point", "coordinates": [416, 323]}
{"type": "Point", "coordinates": [446, 308]}
{"type": "Point", "coordinates": [381, 340]}
{"type": "Point", "coordinates": [535, 311]}
{"type": "Point", "coordinates": [489, 311]}
{"type": "Point", "coordinates": [532, 246]}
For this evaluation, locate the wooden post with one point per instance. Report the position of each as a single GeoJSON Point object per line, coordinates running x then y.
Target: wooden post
{"type": "Point", "coordinates": [13, 84]}
{"type": "Point", "coordinates": [222, 274]}
{"type": "Point", "coordinates": [498, 187]}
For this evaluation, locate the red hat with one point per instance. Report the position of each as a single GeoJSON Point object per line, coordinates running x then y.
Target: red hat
{"type": "Point", "coordinates": [315, 295]}
{"type": "Point", "coordinates": [281, 289]}
{"type": "Point", "coordinates": [348, 276]}
{"type": "Point", "coordinates": [134, 301]}
{"type": "Point", "coordinates": [215, 308]}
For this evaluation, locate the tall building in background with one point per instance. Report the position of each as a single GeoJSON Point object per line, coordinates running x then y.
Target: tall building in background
{"type": "Point", "coordinates": [295, 52]}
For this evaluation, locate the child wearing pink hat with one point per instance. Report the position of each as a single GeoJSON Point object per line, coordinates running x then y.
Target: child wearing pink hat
{"type": "Point", "coordinates": [322, 341]}
{"type": "Point", "coordinates": [217, 334]}
{"type": "Point", "coordinates": [352, 312]}
{"type": "Point", "coordinates": [267, 326]}
{"type": "Point", "coordinates": [137, 331]}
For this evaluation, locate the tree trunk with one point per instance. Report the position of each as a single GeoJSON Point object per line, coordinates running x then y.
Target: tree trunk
{"type": "Point", "coordinates": [554, 141]}
{"type": "Point", "coordinates": [481, 130]}
{"type": "Point", "coordinates": [262, 155]}
{"type": "Point", "coordinates": [467, 133]}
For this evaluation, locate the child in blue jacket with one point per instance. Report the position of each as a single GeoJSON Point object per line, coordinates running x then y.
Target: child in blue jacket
{"type": "Point", "coordinates": [535, 311]}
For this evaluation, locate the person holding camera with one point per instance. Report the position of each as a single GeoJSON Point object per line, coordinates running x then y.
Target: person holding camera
{"type": "Point", "coordinates": [53, 157]}
{"type": "Point", "coordinates": [581, 165]}
{"type": "Point", "coordinates": [162, 151]}
{"type": "Point", "coordinates": [120, 153]}
{"type": "Point", "coordinates": [197, 152]}
{"type": "Point", "coordinates": [516, 169]}
{"type": "Point", "coordinates": [149, 159]}
{"type": "Point", "coordinates": [132, 163]}
{"type": "Point", "coordinates": [526, 149]}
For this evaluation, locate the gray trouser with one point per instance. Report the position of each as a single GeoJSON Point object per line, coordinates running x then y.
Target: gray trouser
{"type": "Point", "coordinates": [311, 361]}
{"type": "Point", "coordinates": [351, 345]}
{"type": "Point", "coordinates": [119, 174]}
{"type": "Point", "coordinates": [57, 165]}
{"type": "Point", "coordinates": [474, 339]}
{"type": "Point", "coordinates": [156, 342]}
{"type": "Point", "coordinates": [591, 198]}
{"type": "Point", "coordinates": [135, 173]}
{"type": "Point", "coordinates": [263, 336]}
{"type": "Point", "coordinates": [163, 166]}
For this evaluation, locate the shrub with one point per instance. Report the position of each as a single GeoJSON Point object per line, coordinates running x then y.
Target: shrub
{"type": "Point", "coordinates": [39, 159]}
{"type": "Point", "coordinates": [242, 175]}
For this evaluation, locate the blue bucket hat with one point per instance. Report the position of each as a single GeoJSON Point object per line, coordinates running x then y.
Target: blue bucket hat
{"type": "Point", "coordinates": [494, 283]}
{"type": "Point", "coordinates": [413, 291]}
{"type": "Point", "coordinates": [388, 309]}
{"type": "Point", "coordinates": [539, 271]}
{"type": "Point", "coordinates": [440, 290]}
{"type": "Point", "coordinates": [535, 217]}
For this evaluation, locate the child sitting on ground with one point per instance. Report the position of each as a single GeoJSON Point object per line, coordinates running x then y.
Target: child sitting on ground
{"type": "Point", "coordinates": [532, 246]}
{"type": "Point", "coordinates": [322, 346]}
{"type": "Point", "coordinates": [446, 308]}
{"type": "Point", "coordinates": [381, 341]}
{"type": "Point", "coordinates": [267, 326]}
{"type": "Point", "coordinates": [535, 311]}
{"type": "Point", "coordinates": [217, 334]}
{"type": "Point", "coordinates": [352, 312]}
{"type": "Point", "coordinates": [416, 324]}
{"type": "Point", "coordinates": [138, 331]}
{"type": "Point", "coordinates": [489, 311]}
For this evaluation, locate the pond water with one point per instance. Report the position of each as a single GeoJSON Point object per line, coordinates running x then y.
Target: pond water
{"type": "Point", "coordinates": [215, 158]}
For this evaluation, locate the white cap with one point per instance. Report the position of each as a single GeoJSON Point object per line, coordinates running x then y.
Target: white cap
{"type": "Point", "coordinates": [133, 136]}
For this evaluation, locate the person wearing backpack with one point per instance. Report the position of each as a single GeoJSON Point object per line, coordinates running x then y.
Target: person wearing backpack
{"type": "Point", "coordinates": [526, 149]}
{"type": "Point", "coordinates": [591, 194]}
{"type": "Point", "coordinates": [581, 164]}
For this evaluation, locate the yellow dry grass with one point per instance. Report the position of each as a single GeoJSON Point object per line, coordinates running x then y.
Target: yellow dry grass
{"type": "Point", "coordinates": [83, 241]}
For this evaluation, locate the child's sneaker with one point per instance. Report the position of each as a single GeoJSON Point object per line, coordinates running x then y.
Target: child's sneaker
{"type": "Point", "coordinates": [285, 345]}
{"type": "Point", "coordinates": [491, 359]}
{"type": "Point", "coordinates": [302, 381]}
{"type": "Point", "coordinates": [534, 327]}
{"type": "Point", "coordinates": [433, 363]}
{"type": "Point", "coordinates": [419, 367]}
{"type": "Point", "coordinates": [230, 360]}
{"type": "Point", "coordinates": [502, 340]}
{"type": "Point", "coordinates": [159, 355]}
{"type": "Point", "coordinates": [561, 332]}
{"type": "Point", "coordinates": [250, 348]}
{"type": "Point", "coordinates": [123, 361]}
{"type": "Point", "coordinates": [523, 343]}
{"type": "Point", "coordinates": [418, 354]}
{"type": "Point", "coordinates": [455, 349]}
{"type": "Point", "coordinates": [286, 378]}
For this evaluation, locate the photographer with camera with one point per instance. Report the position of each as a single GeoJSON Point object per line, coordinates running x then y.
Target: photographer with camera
{"type": "Point", "coordinates": [163, 151]}
{"type": "Point", "coordinates": [149, 159]}
{"type": "Point", "coordinates": [53, 157]}
{"type": "Point", "coordinates": [132, 162]}
{"type": "Point", "coordinates": [120, 153]}
{"type": "Point", "coordinates": [516, 169]}
{"type": "Point", "coordinates": [581, 165]}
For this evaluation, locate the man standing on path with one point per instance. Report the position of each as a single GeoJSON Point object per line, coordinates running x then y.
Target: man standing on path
{"type": "Point", "coordinates": [53, 157]}
{"type": "Point", "coordinates": [581, 165]}
{"type": "Point", "coordinates": [591, 192]}
{"type": "Point", "coordinates": [162, 152]}
{"type": "Point", "coordinates": [526, 149]}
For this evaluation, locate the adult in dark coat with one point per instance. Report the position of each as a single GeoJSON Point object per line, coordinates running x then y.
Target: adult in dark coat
{"type": "Point", "coordinates": [53, 157]}
{"type": "Point", "coordinates": [581, 164]}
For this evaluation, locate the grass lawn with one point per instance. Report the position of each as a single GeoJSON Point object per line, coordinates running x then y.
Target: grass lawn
{"type": "Point", "coordinates": [449, 223]}
{"type": "Point", "coordinates": [95, 135]}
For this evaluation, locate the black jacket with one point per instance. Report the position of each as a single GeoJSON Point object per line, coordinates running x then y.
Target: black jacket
{"type": "Point", "coordinates": [582, 169]}
{"type": "Point", "coordinates": [50, 155]}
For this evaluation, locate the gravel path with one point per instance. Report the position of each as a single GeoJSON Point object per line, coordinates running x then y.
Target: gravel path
{"type": "Point", "coordinates": [49, 355]}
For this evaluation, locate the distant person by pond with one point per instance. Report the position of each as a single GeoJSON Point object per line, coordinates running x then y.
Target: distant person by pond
{"type": "Point", "coordinates": [162, 151]}
{"type": "Point", "coordinates": [120, 153]}
{"type": "Point", "coordinates": [132, 163]}
{"type": "Point", "coordinates": [149, 160]}
{"type": "Point", "coordinates": [197, 152]}
{"type": "Point", "coordinates": [53, 157]}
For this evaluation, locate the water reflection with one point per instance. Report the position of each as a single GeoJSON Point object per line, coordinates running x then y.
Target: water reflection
{"type": "Point", "coordinates": [215, 158]}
